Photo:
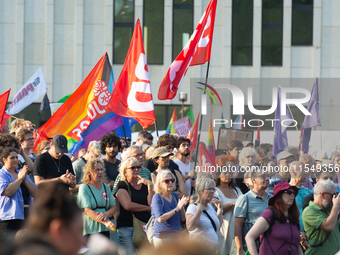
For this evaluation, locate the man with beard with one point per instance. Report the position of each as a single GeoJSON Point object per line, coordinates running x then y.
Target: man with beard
{"type": "Point", "coordinates": [54, 167]}
{"type": "Point", "coordinates": [110, 146]}
{"type": "Point", "coordinates": [183, 161]}
{"type": "Point", "coordinates": [320, 220]}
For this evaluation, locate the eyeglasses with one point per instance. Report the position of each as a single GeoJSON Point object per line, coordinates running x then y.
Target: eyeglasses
{"type": "Point", "coordinates": [135, 168]}
{"type": "Point", "coordinates": [211, 189]}
{"type": "Point", "coordinates": [332, 194]}
{"type": "Point", "coordinates": [138, 155]}
{"type": "Point", "coordinates": [290, 192]}
{"type": "Point", "coordinates": [167, 181]}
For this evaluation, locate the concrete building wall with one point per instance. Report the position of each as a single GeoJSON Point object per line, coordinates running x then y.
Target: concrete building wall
{"type": "Point", "coordinates": [67, 38]}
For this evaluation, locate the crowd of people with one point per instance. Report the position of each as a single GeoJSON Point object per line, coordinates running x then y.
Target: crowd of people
{"type": "Point", "coordinates": [144, 194]}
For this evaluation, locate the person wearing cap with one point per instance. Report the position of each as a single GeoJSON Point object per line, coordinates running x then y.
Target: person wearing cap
{"type": "Point", "coordinates": [284, 159]}
{"type": "Point", "coordinates": [283, 236]}
{"type": "Point", "coordinates": [54, 167]}
{"type": "Point", "coordinates": [320, 220]}
{"type": "Point", "coordinates": [248, 144]}
{"type": "Point", "coordinates": [249, 207]}
{"type": "Point", "coordinates": [169, 142]}
{"type": "Point", "coordinates": [319, 157]}
{"type": "Point", "coordinates": [161, 159]}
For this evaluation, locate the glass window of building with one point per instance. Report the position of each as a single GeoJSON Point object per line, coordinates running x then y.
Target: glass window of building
{"type": "Point", "coordinates": [153, 30]}
{"type": "Point", "coordinates": [242, 32]}
{"type": "Point", "coordinates": [302, 22]}
{"type": "Point", "coordinates": [183, 12]}
{"type": "Point", "coordinates": [272, 17]}
{"type": "Point", "coordinates": [123, 29]}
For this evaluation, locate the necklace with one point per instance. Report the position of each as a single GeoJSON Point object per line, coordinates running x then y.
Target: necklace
{"type": "Point", "coordinates": [57, 165]}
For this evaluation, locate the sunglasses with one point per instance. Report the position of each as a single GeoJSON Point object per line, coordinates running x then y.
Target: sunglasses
{"type": "Point", "coordinates": [290, 192]}
{"type": "Point", "coordinates": [135, 168]}
{"type": "Point", "coordinates": [167, 181]}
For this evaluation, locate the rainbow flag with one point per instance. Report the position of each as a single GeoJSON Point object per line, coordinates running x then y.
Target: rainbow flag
{"type": "Point", "coordinates": [170, 128]}
{"type": "Point", "coordinates": [211, 142]}
{"type": "Point", "coordinates": [86, 106]}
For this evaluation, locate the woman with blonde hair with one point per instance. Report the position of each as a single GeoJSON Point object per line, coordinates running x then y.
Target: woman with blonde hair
{"type": "Point", "coordinates": [167, 209]}
{"type": "Point", "coordinates": [95, 198]}
{"type": "Point", "coordinates": [134, 196]}
{"type": "Point", "coordinates": [202, 220]}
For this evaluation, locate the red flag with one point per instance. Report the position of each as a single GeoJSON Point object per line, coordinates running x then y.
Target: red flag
{"type": "Point", "coordinates": [132, 94]}
{"type": "Point", "coordinates": [204, 161]}
{"type": "Point", "coordinates": [258, 131]}
{"type": "Point", "coordinates": [39, 137]}
{"type": "Point", "coordinates": [203, 52]}
{"type": "Point", "coordinates": [193, 136]}
{"type": "Point", "coordinates": [3, 104]}
{"type": "Point", "coordinates": [4, 121]}
{"type": "Point", "coordinates": [179, 67]}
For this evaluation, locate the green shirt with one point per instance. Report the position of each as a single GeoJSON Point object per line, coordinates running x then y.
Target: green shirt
{"type": "Point", "coordinates": [87, 199]}
{"type": "Point", "coordinates": [312, 218]}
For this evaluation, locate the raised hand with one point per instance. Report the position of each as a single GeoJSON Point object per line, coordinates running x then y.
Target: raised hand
{"type": "Point", "coordinates": [183, 201]}
{"type": "Point", "coordinates": [217, 203]}
{"type": "Point", "coordinates": [23, 173]}
{"type": "Point", "coordinates": [143, 181]}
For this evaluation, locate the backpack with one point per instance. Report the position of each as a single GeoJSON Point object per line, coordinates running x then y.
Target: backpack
{"type": "Point", "coordinates": [151, 223]}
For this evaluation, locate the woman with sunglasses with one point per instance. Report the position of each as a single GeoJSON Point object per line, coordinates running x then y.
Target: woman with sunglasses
{"type": "Point", "coordinates": [134, 195]}
{"type": "Point", "coordinates": [280, 235]}
{"type": "Point", "coordinates": [202, 221]}
{"type": "Point", "coordinates": [167, 209]}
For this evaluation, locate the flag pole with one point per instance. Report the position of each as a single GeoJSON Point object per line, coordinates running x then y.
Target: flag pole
{"type": "Point", "coordinates": [201, 117]}
{"type": "Point", "coordinates": [124, 134]}
{"type": "Point", "coordinates": [156, 129]}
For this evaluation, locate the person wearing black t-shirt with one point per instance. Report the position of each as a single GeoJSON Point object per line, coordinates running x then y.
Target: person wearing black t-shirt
{"type": "Point", "coordinates": [134, 194]}
{"type": "Point", "coordinates": [53, 166]}
{"type": "Point", "coordinates": [110, 146]}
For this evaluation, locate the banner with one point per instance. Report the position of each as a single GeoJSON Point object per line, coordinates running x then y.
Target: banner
{"type": "Point", "coordinates": [34, 88]}
{"type": "Point", "coordinates": [182, 126]}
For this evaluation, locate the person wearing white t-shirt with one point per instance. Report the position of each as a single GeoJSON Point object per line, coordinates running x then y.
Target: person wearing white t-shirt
{"type": "Point", "coordinates": [183, 162]}
{"type": "Point", "coordinates": [202, 221]}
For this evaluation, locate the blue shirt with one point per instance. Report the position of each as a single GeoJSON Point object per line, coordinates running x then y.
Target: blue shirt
{"type": "Point", "coordinates": [12, 207]}
{"type": "Point", "coordinates": [172, 225]}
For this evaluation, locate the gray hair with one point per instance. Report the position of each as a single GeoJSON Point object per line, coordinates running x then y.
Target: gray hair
{"type": "Point", "coordinates": [201, 185]}
{"type": "Point", "coordinates": [94, 146]}
{"type": "Point", "coordinates": [247, 151]}
{"type": "Point", "coordinates": [126, 153]}
{"type": "Point", "coordinates": [323, 186]}
{"type": "Point", "coordinates": [159, 180]}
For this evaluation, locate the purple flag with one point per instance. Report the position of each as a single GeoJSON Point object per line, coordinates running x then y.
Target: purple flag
{"type": "Point", "coordinates": [280, 135]}
{"type": "Point", "coordinates": [311, 120]}
{"type": "Point", "coordinates": [313, 107]}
